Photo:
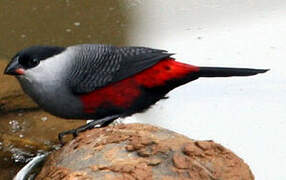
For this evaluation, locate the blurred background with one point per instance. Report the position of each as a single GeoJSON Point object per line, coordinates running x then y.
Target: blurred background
{"type": "Point", "coordinates": [246, 115]}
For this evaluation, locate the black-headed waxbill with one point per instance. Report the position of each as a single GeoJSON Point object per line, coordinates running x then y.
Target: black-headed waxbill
{"type": "Point", "coordinates": [102, 82]}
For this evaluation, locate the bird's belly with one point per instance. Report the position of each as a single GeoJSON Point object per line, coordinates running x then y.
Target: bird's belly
{"type": "Point", "coordinates": [55, 100]}
{"type": "Point", "coordinates": [62, 105]}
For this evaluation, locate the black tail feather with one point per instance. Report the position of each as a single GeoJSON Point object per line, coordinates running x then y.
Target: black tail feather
{"type": "Point", "coordinates": [226, 72]}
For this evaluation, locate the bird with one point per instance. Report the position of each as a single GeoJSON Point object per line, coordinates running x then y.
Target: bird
{"type": "Point", "coordinates": [104, 82]}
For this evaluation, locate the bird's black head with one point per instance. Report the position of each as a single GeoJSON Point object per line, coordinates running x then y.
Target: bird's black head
{"type": "Point", "coordinates": [30, 57]}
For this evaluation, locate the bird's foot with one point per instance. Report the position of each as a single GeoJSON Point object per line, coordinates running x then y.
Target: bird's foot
{"type": "Point", "coordinates": [102, 122]}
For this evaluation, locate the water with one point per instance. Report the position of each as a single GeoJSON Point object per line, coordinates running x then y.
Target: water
{"type": "Point", "coordinates": [61, 23]}
{"type": "Point", "coordinates": [246, 115]}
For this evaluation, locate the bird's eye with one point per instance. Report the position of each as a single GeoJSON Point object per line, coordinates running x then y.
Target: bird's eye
{"type": "Point", "coordinates": [34, 62]}
{"type": "Point", "coordinates": [28, 62]}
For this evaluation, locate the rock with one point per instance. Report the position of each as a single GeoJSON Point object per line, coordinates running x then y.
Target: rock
{"type": "Point", "coordinates": [138, 151]}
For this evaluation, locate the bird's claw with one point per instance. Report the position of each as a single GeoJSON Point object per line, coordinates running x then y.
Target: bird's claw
{"type": "Point", "coordinates": [75, 133]}
{"type": "Point", "coordinates": [61, 135]}
{"type": "Point", "coordinates": [102, 122]}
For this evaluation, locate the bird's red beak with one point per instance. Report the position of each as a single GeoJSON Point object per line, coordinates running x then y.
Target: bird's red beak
{"type": "Point", "coordinates": [20, 71]}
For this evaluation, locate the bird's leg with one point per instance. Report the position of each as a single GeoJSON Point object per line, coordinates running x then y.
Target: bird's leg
{"type": "Point", "coordinates": [106, 123]}
{"type": "Point", "coordinates": [102, 122]}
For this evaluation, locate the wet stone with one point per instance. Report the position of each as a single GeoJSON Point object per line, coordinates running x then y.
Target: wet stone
{"type": "Point", "coordinates": [139, 151]}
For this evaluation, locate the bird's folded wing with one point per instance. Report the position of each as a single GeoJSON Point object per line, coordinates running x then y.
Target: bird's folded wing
{"type": "Point", "coordinates": [96, 66]}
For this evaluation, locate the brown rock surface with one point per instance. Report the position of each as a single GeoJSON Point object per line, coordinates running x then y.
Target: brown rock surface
{"type": "Point", "coordinates": [138, 151]}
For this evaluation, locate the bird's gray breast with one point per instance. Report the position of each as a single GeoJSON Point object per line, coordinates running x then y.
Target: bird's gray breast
{"type": "Point", "coordinates": [53, 98]}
